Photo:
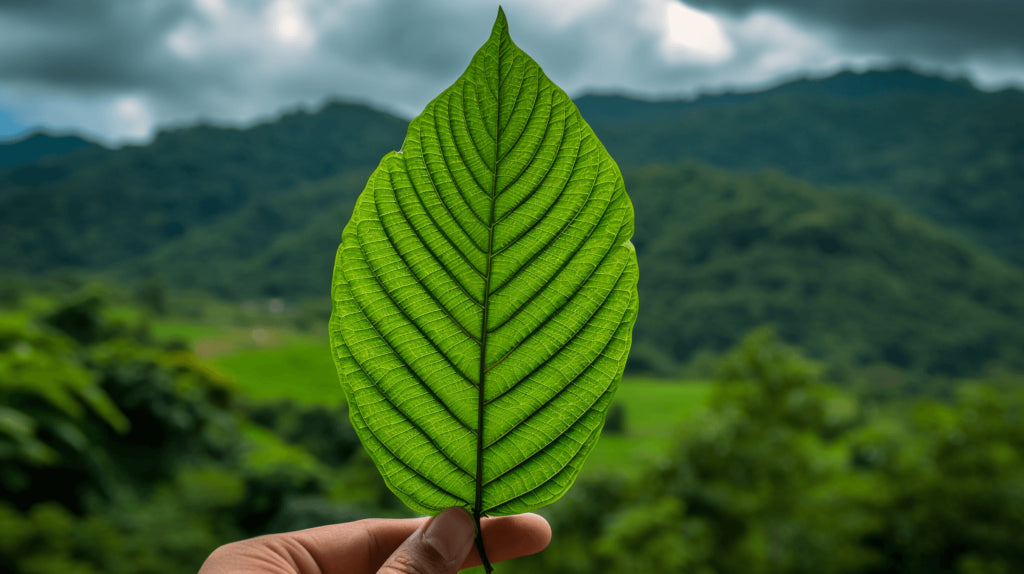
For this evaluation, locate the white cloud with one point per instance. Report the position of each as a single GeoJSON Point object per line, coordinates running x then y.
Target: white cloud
{"type": "Point", "coordinates": [216, 9]}
{"type": "Point", "coordinates": [564, 12]}
{"type": "Point", "coordinates": [693, 34]}
{"type": "Point", "coordinates": [290, 25]}
{"type": "Point", "coordinates": [185, 42]}
{"type": "Point", "coordinates": [782, 46]}
{"type": "Point", "coordinates": [131, 117]}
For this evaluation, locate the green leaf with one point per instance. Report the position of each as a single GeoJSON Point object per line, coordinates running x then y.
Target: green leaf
{"type": "Point", "coordinates": [485, 294]}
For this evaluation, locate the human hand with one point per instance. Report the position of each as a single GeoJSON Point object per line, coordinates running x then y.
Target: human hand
{"type": "Point", "coordinates": [439, 545]}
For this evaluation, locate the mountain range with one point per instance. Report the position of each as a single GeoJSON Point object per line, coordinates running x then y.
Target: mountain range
{"type": "Point", "coordinates": [942, 148]}
{"type": "Point", "coordinates": [38, 145]}
{"type": "Point", "coordinates": [876, 219]}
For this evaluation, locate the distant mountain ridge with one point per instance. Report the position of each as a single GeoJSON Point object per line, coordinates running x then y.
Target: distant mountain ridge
{"type": "Point", "coordinates": [948, 151]}
{"type": "Point", "coordinates": [97, 209]}
{"type": "Point", "coordinates": [855, 278]}
{"type": "Point", "coordinates": [38, 145]}
{"type": "Point", "coordinates": [616, 109]}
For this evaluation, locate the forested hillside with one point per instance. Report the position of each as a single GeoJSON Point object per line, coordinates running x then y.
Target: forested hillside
{"type": "Point", "coordinates": [37, 146]}
{"type": "Point", "coordinates": [946, 150]}
{"type": "Point", "coordinates": [97, 209]}
{"type": "Point", "coordinates": [271, 247]}
{"type": "Point", "coordinates": [853, 278]}
{"type": "Point", "coordinates": [856, 279]}
{"type": "Point", "coordinates": [121, 453]}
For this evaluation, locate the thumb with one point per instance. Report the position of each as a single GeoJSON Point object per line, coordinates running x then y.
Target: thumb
{"type": "Point", "coordinates": [438, 547]}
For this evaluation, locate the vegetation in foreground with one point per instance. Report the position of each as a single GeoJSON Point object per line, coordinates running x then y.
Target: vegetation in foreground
{"type": "Point", "coordinates": [136, 457]}
{"type": "Point", "coordinates": [786, 474]}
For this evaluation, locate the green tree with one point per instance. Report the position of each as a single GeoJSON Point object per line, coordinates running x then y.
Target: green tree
{"type": "Point", "coordinates": [956, 475]}
{"type": "Point", "coordinates": [760, 483]}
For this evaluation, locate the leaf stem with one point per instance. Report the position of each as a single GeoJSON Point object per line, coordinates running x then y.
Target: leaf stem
{"type": "Point", "coordinates": [480, 545]}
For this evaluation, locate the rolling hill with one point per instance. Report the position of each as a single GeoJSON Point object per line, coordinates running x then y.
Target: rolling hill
{"type": "Point", "coordinates": [941, 147]}
{"type": "Point", "coordinates": [102, 207]}
{"type": "Point", "coordinates": [38, 145]}
{"type": "Point", "coordinates": [855, 277]}
{"type": "Point", "coordinates": [279, 245]}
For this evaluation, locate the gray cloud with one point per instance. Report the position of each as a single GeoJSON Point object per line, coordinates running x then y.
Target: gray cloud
{"type": "Point", "coordinates": [120, 68]}
{"type": "Point", "coordinates": [84, 45]}
{"type": "Point", "coordinates": [944, 29]}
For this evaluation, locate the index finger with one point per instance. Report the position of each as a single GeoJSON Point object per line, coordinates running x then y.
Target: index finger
{"type": "Point", "coordinates": [365, 545]}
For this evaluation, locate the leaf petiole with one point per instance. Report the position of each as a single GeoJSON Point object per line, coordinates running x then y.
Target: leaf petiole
{"type": "Point", "coordinates": [480, 545]}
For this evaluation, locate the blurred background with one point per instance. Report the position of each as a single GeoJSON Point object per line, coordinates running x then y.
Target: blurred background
{"type": "Point", "coordinates": [826, 374]}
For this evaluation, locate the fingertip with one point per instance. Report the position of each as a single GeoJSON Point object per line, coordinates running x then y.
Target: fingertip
{"type": "Point", "coordinates": [451, 533]}
{"type": "Point", "coordinates": [536, 532]}
{"type": "Point", "coordinates": [507, 537]}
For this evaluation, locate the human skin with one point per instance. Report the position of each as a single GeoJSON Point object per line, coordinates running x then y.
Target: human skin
{"type": "Point", "coordinates": [442, 544]}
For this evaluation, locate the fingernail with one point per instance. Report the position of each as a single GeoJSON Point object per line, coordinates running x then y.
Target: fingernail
{"type": "Point", "coordinates": [451, 534]}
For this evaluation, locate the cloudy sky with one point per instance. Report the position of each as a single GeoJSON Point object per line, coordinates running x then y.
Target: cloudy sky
{"type": "Point", "coordinates": [121, 69]}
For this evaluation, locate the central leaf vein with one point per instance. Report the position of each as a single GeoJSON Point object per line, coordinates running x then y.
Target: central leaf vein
{"type": "Point", "coordinates": [478, 503]}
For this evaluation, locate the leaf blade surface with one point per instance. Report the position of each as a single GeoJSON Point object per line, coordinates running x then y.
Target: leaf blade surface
{"type": "Point", "coordinates": [484, 293]}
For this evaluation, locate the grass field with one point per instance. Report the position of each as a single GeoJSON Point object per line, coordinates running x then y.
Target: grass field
{"type": "Point", "coordinates": [300, 368]}
{"type": "Point", "coordinates": [654, 409]}
{"type": "Point", "coordinates": [191, 332]}
{"type": "Point", "coordinates": [271, 364]}
{"type": "Point", "coordinates": [265, 363]}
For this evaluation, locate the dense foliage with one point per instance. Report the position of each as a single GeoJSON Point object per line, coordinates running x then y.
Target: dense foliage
{"type": "Point", "coordinates": [850, 277]}
{"type": "Point", "coordinates": [118, 454]}
{"type": "Point", "coordinates": [942, 148]}
{"type": "Point", "coordinates": [786, 474]}
{"type": "Point", "coordinates": [262, 250]}
{"type": "Point", "coordinates": [853, 278]}
{"type": "Point", "coordinates": [121, 454]}
{"type": "Point", "coordinates": [39, 145]}
{"type": "Point", "coordinates": [96, 207]}
{"type": "Point", "coordinates": [858, 282]}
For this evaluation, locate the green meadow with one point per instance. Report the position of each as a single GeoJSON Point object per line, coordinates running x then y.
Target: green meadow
{"type": "Point", "coordinates": [268, 364]}
{"type": "Point", "coordinates": [290, 366]}
{"type": "Point", "coordinates": [654, 410]}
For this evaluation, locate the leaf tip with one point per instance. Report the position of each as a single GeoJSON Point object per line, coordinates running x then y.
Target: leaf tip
{"type": "Point", "coordinates": [500, 24]}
